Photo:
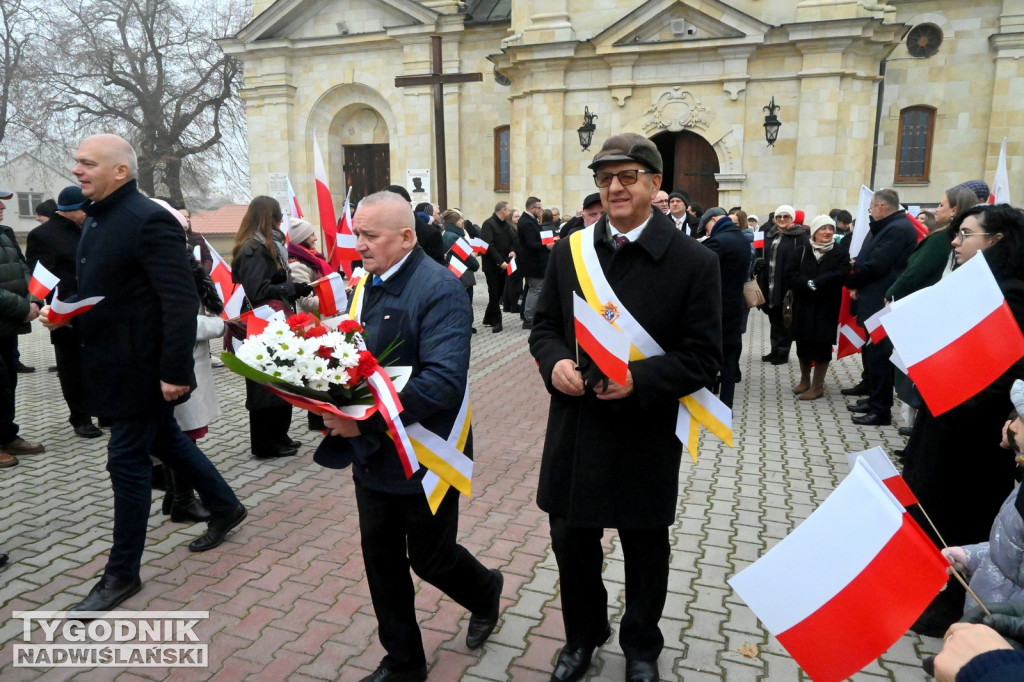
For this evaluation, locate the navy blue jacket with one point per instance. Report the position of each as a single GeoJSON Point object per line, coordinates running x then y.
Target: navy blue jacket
{"type": "Point", "coordinates": [425, 308]}
{"type": "Point", "coordinates": [880, 262]}
{"type": "Point", "coordinates": [733, 250]}
{"type": "Point", "coordinates": [133, 253]}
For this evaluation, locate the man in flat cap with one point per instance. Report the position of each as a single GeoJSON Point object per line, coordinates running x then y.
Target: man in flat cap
{"type": "Point", "coordinates": [611, 457]}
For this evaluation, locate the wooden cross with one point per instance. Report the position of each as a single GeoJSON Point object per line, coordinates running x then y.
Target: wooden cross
{"type": "Point", "coordinates": [437, 80]}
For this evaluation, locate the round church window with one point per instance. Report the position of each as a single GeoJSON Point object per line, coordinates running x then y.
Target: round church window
{"type": "Point", "coordinates": [924, 40]}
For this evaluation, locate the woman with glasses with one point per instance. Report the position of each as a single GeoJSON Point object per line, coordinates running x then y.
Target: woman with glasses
{"type": "Point", "coordinates": [954, 463]}
{"type": "Point", "coordinates": [782, 251]}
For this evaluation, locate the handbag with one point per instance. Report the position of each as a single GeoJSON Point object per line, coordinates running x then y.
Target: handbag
{"type": "Point", "coordinates": [752, 294]}
{"type": "Point", "coordinates": [787, 309]}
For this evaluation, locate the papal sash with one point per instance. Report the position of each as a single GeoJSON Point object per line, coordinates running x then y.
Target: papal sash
{"type": "Point", "coordinates": [700, 406]}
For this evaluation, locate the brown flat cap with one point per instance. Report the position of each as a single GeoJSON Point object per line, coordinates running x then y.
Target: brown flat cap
{"type": "Point", "coordinates": [629, 147]}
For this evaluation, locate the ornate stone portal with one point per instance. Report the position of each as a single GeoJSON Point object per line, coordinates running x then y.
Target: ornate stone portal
{"type": "Point", "coordinates": [676, 110]}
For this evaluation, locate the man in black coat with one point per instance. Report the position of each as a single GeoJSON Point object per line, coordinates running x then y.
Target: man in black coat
{"type": "Point", "coordinates": [533, 254]}
{"type": "Point", "coordinates": [611, 455]}
{"type": "Point", "coordinates": [500, 236]}
{"type": "Point", "coordinates": [54, 244]}
{"type": "Point", "coordinates": [881, 260]}
{"type": "Point", "coordinates": [137, 356]}
{"type": "Point", "coordinates": [733, 250]}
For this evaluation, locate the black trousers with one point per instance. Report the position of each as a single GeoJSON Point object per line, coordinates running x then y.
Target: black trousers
{"type": "Point", "coordinates": [779, 334]}
{"type": "Point", "coordinates": [398, 532]}
{"type": "Point", "coordinates": [580, 557]}
{"type": "Point", "coordinates": [879, 375]}
{"type": "Point", "coordinates": [513, 292]}
{"type": "Point", "coordinates": [495, 291]}
{"type": "Point", "coordinates": [8, 384]}
{"type": "Point", "coordinates": [67, 349]}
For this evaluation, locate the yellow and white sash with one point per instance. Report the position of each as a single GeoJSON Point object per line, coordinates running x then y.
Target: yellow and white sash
{"type": "Point", "coordinates": [447, 465]}
{"type": "Point", "coordinates": [700, 407]}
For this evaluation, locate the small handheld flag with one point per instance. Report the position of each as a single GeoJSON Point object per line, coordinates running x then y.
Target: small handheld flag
{"type": "Point", "coordinates": [43, 281]}
{"type": "Point", "coordinates": [607, 346]}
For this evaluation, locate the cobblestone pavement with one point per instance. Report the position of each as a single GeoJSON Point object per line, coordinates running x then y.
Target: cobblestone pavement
{"type": "Point", "coordinates": [286, 593]}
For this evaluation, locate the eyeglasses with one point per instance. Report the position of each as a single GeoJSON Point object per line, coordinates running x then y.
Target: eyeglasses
{"type": "Point", "coordinates": [626, 177]}
{"type": "Point", "coordinates": [659, 201]}
{"type": "Point", "coordinates": [783, 217]}
{"type": "Point", "coordinates": [964, 236]}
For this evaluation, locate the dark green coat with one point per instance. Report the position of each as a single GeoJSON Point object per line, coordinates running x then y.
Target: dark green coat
{"type": "Point", "coordinates": [15, 301]}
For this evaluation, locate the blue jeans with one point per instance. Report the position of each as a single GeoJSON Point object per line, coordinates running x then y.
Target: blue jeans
{"type": "Point", "coordinates": [132, 441]}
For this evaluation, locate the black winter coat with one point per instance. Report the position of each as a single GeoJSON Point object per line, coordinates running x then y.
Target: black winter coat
{"type": "Point", "coordinates": [816, 313]}
{"type": "Point", "coordinates": [733, 251]}
{"type": "Point", "coordinates": [881, 260]}
{"type": "Point", "coordinates": [133, 253]}
{"type": "Point", "coordinates": [787, 263]}
{"type": "Point", "coordinates": [501, 239]}
{"type": "Point", "coordinates": [532, 254]}
{"type": "Point", "coordinates": [15, 301]}
{"type": "Point", "coordinates": [54, 244]}
{"type": "Point", "coordinates": [615, 463]}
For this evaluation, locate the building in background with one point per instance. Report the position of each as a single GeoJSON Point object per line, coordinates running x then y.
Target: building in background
{"type": "Point", "coordinates": [914, 95]}
{"type": "Point", "coordinates": [32, 182]}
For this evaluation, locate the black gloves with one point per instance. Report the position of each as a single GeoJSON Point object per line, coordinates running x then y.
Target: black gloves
{"type": "Point", "coordinates": [279, 276]}
{"type": "Point", "coordinates": [302, 289]}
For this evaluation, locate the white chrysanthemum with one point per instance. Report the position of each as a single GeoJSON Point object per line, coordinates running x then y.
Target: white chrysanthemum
{"type": "Point", "coordinates": [278, 328]}
{"type": "Point", "coordinates": [347, 354]}
{"type": "Point", "coordinates": [331, 339]}
{"type": "Point", "coordinates": [338, 376]}
{"type": "Point", "coordinates": [321, 385]}
{"type": "Point", "coordinates": [287, 350]}
{"type": "Point", "coordinates": [254, 353]}
{"type": "Point", "coordinates": [313, 368]}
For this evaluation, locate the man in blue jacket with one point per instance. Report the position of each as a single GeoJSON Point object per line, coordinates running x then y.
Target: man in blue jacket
{"type": "Point", "coordinates": [137, 356]}
{"type": "Point", "coordinates": [423, 306]}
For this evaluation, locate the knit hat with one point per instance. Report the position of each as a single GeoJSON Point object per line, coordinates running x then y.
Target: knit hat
{"type": "Point", "coordinates": [300, 230]}
{"type": "Point", "coordinates": [4, 194]}
{"type": "Point", "coordinates": [799, 217]}
{"type": "Point", "coordinates": [979, 187]}
{"type": "Point", "coordinates": [177, 214]}
{"type": "Point", "coordinates": [70, 198]}
{"type": "Point", "coordinates": [679, 195]}
{"type": "Point", "coordinates": [754, 218]}
{"type": "Point", "coordinates": [786, 209]}
{"type": "Point", "coordinates": [820, 222]}
{"type": "Point", "coordinates": [628, 147]}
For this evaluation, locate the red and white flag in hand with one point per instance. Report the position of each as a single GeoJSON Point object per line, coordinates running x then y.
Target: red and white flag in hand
{"type": "Point", "coordinates": [457, 267]}
{"type": "Point", "coordinates": [222, 282]}
{"type": "Point", "coordinates": [345, 250]}
{"type": "Point", "coordinates": [293, 201]}
{"type": "Point", "coordinates": [462, 248]}
{"type": "Point", "coordinates": [478, 244]}
{"type": "Point", "coordinates": [844, 586]}
{"type": "Point", "coordinates": [606, 345]}
{"type": "Point", "coordinates": [511, 266]}
{"type": "Point", "coordinates": [325, 204]}
{"type": "Point", "coordinates": [331, 292]}
{"type": "Point", "coordinates": [852, 336]}
{"type": "Point", "coordinates": [876, 460]}
{"type": "Point", "coordinates": [233, 306]}
{"type": "Point", "coordinates": [547, 237]}
{"type": "Point", "coordinates": [61, 312]}
{"type": "Point", "coordinates": [963, 321]}
{"type": "Point", "coordinates": [43, 281]}
{"type": "Point", "coordinates": [256, 320]}
{"type": "Point", "coordinates": [874, 325]}
{"type": "Point", "coordinates": [759, 239]}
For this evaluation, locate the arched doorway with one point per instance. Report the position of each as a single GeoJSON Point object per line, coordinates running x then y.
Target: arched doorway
{"type": "Point", "coordinates": [690, 166]}
{"type": "Point", "coordinates": [365, 153]}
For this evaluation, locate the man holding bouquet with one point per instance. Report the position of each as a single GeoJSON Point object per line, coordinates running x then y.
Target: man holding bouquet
{"type": "Point", "coordinates": [137, 356]}
{"type": "Point", "coordinates": [422, 306]}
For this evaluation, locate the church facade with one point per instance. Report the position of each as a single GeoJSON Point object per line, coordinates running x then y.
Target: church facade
{"type": "Point", "coordinates": [916, 95]}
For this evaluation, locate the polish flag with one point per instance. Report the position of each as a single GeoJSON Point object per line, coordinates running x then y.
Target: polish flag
{"type": "Point", "coordinates": [345, 249]}
{"type": "Point", "coordinates": [43, 281]}
{"type": "Point", "coordinates": [963, 321]}
{"type": "Point", "coordinates": [478, 244]}
{"type": "Point", "coordinates": [233, 306]}
{"type": "Point", "coordinates": [876, 460]}
{"type": "Point", "coordinates": [922, 231]}
{"type": "Point", "coordinates": [759, 239]}
{"type": "Point", "coordinates": [221, 276]}
{"type": "Point", "coordinates": [325, 204]}
{"type": "Point", "coordinates": [844, 586]}
{"type": "Point", "coordinates": [607, 346]}
{"type": "Point", "coordinates": [462, 248]}
{"type": "Point", "coordinates": [256, 320]}
{"type": "Point", "coordinates": [61, 312]}
{"type": "Point", "coordinates": [457, 267]}
{"type": "Point", "coordinates": [511, 267]}
{"type": "Point", "coordinates": [293, 201]}
{"type": "Point", "coordinates": [874, 325]}
{"type": "Point", "coordinates": [851, 336]}
{"type": "Point", "coordinates": [331, 292]}
{"type": "Point", "coordinates": [862, 226]}
{"type": "Point", "coordinates": [547, 237]}
{"type": "Point", "coordinates": [1001, 187]}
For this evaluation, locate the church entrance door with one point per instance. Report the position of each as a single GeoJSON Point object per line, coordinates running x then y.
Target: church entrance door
{"type": "Point", "coordinates": [690, 166]}
{"type": "Point", "coordinates": [367, 169]}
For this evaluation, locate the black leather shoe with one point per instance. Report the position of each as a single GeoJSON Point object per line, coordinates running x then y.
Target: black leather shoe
{"type": "Point", "coordinates": [88, 431]}
{"type": "Point", "coordinates": [780, 360]}
{"type": "Point", "coordinates": [189, 511]}
{"type": "Point", "coordinates": [481, 626]}
{"type": "Point", "coordinates": [572, 664]}
{"type": "Point", "coordinates": [292, 443]}
{"type": "Point", "coordinates": [641, 671]}
{"type": "Point", "coordinates": [768, 358]}
{"type": "Point", "coordinates": [873, 419]}
{"type": "Point", "coordinates": [279, 452]}
{"type": "Point", "coordinates": [383, 674]}
{"type": "Point", "coordinates": [218, 530]}
{"type": "Point", "coordinates": [3, 559]}
{"type": "Point", "coordinates": [859, 389]}
{"type": "Point", "coordinates": [905, 431]}
{"type": "Point", "coordinates": [496, 328]}
{"type": "Point", "coordinates": [859, 407]}
{"type": "Point", "coordinates": [108, 593]}
{"type": "Point", "coordinates": [20, 368]}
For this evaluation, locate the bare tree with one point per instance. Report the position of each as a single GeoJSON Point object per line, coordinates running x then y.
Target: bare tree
{"type": "Point", "coordinates": [150, 71]}
{"type": "Point", "coordinates": [17, 30]}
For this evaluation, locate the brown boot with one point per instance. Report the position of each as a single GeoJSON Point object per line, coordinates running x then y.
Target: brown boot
{"type": "Point", "coordinates": [805, 377]}
{"type": "Point", "coordinates": [7, 460]}
{"type": "Point", "coordinates": [817, 388]}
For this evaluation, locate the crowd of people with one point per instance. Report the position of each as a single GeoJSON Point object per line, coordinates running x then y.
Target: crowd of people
{"type": "Point", "coordinates": [143, 369]}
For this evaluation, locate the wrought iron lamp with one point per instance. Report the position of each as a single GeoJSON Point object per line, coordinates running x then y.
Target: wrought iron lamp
{"type": "Point", "coordinates": [586, 131]}
{"type": "Point", "coordinates": [771, 123]}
